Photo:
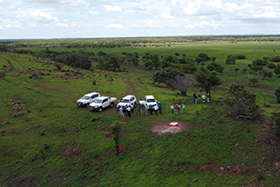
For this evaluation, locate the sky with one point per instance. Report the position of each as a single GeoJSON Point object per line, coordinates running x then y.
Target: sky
{"type": "Point", "coordinates": [45, 19]}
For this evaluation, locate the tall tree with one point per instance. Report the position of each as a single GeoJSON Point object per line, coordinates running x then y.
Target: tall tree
{"type": "Point", "coordinates": [207, 79]}
{"type": "Point", "coordinates": [181, 83]}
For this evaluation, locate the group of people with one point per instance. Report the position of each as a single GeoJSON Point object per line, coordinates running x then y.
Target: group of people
{"type": "Point", "coordinates": [203, 98]}
{"type": "Point", "coordinates": [142, 109]}
{"type": "Point", "coordinates": [177, 109]}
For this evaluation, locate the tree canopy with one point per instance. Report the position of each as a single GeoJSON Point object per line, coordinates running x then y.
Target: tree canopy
{"type": "Point", "coordinates": [207, 79]}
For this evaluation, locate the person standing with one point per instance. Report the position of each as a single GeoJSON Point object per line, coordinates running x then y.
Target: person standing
{"type": "Point", "coordinates": [183, 107]}
{"type": "Point", "coordinates": [208, 97]}
{"type": "Point", "coordinates": [156, 108]}
{"type": "Point", "coordinates": [151, 109]}
{"type": "Point", "coordinates": [142, 109]}
{"type": "Point", "coordinates": [132, 108]}
{"type": "Point", "coordinates": [121, 115]}
{"type": "Point", "coordinates": [138, 109]}
{"type": "Point", "coordinates": [125, 109]}
{"type": "Point", "coordinates": [194, 98]}
{"type": "Point", "coordinates": [128, 110]}
{"type": "Point", "coordinates": [159, 108]}
{"type": "Point", "coordinates": [146, 109]}
{"type": "Point", "coordinates": [176, 109]}
{"type": "Point", "coordinates": [172, 109]}
{"type": "Point", "coordinates": [179, 107]}
{"type": "Point", "coordinates": [203, 98]}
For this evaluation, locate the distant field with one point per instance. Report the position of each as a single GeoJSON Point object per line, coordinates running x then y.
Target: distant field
{"type": "Point", "coordinates": [42, 125]}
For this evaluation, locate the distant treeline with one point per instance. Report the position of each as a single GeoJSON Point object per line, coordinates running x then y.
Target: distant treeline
{"type": "Point", "coordinates": [133, 42]}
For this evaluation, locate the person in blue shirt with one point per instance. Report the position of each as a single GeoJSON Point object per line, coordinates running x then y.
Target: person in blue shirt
{"type": "Point", "coordinates": [151, 109]}
{"type": "Point", "coordinates": [194, 98]}
{"type": "Point", "coordinates": [159, 107]}
{"type": "Point", "coordinates": [138, 108]}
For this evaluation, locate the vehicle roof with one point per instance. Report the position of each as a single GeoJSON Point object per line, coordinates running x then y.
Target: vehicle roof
{"type": "Point", "coordinates": [128, 96]}
{"type": "Point", "coordinates": [149, 96]}
{"type": "Point", "coordinates": [89, 94]}
{"type": "Point", "coordinates": [103, 97]}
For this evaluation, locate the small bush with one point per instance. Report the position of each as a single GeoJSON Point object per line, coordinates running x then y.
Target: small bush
{"type": "Point", "coordinates": [230, 59]}
{"type": "Point", "coordinates": [271, 65]}
{"type": "Point", "coordinates": [241, 56]}
{"type": "Point", "coordinates": [275, 59]}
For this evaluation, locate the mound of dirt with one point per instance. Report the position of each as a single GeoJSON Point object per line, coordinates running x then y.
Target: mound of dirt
{"type": "Point", "coordinates": [163, 127]}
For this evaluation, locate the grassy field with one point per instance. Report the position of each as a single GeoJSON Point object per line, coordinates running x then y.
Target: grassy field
{"type": "Point", "coordinates": [46, 140]}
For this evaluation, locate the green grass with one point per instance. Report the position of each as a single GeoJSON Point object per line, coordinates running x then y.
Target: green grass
{"type": "Point", "coordinates": [151, 160]}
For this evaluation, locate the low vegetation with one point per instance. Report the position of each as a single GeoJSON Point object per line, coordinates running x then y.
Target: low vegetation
{"type": "Point", "coordinates": [47, 140]}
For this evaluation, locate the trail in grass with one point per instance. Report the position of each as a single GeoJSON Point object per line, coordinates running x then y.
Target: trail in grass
{"type": "Point", "coordinates": [129, 86]}
{"type": "Point", "coordinates": [16, 60]}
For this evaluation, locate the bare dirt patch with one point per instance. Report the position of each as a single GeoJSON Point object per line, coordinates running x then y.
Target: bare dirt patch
{"type": "Point", "coordinates": [163, 127]}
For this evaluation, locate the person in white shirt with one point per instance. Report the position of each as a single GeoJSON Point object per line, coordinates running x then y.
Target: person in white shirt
{"type": "Point", "coordinates": [183, 107]}
{"type": "Point", "coordinates": [156, 108]}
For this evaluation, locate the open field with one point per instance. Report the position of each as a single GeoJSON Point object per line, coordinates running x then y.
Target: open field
{"type": "Point", "coordinates": [46, 140]}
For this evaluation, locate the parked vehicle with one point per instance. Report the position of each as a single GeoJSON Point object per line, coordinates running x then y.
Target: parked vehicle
{"type": "Point", "coordinates": [102, 102]}
{"type": "Point", "coordinates": [127, 100]}
{"type": "Point", "coordinates": [149, 100]}
{"type": "Point", "coordinates": [88, 98]}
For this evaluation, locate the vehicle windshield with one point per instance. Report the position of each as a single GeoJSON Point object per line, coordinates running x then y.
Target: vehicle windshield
{"type": "Point", "coordinates": [150, 100]}
{"type": "Point", "coordinates": [125, 101]}
{"type": "Point", "coordinates": [97, 101]}
{"type": "Point", "coordinates": [85, 97]}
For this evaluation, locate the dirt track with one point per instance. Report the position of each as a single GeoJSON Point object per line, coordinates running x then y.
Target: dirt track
{"type": "Point", "coordinates": [129, 86]}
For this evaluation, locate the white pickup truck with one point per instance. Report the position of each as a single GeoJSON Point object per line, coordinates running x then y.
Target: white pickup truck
{"type": "Point", "coordinates": [149, 100]}
{"type": "Point", "coordinates": [102, 102]}
{"type": "Point", "coordinates": [88, 98]}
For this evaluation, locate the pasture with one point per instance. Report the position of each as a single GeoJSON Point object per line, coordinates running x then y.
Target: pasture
{"type": "Point", "coordinates": [47, 140]}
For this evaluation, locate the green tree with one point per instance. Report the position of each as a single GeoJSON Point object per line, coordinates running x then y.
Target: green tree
{"type": "Point", "coordinates": [215, 67]}
{"type": "Point", "coordinates": [276, 120]}
{"type": "Point", "coordinates": [207, 79]}
{"type": "Point", "coordinates": [254, 81]}
{"type": "Point", "coordinates": [277, 94]}
{"type": "Point", "coordinates": [115, 129]}
{"type": "Point", "coordinates": [277, 70]}
{"type": "Point", "coordinates": [166, 74]}
{"type": "Point", "coordinates": [230, 59]}
{"type": "Point", "coordinates": [236, 70]}
{"type": "Point", "coordinates": [181, 83]}
{"type": "Point", "coordinates": [241, 103]}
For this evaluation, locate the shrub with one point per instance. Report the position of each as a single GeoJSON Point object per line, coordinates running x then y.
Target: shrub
{"type": "Point", "coordinates": [260, 62]}
{"type": "Point", "coordinates": [215, 67]}
{"type": "Point", "coordinates": [271, 65]}
{"type": "Point", "coordinates": [241, 103]}
{"type": "Point", "coordinates": [230, 59]}
{"type": "Point", "coordinates": [277, 70]}
{"type": "Point", "coordinates": [276, 119]}
{"type": "Point", "coordinates": [277, 94]}
{"type": "Point", "coordinates": [254, 81]}
{"type": "Point", "coordinates": [241, 56]}
{"type": "Point", "coordinates": [275, 59]}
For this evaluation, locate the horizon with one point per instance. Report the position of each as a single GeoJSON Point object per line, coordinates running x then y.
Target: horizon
{"type": "Point", "coordinates": [56, 19]}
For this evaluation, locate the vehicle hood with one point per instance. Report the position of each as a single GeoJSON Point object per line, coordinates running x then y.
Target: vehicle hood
{"type": "Point", "coordinates": [82, 101]}
{"type": "Point", "coordinates": [123, 104]}
{"type": "Point", "coordinates": [151, 103]}
{"type": "Point", "coordinates": [94, 104]}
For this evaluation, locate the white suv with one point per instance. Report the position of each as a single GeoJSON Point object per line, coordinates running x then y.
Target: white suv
{"type": "Point", "coordinates": [127, 100]}
{"type": "Point", "coordinates": [149, 100]}
{"type": "Point", "coordinates": [87, 99]}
